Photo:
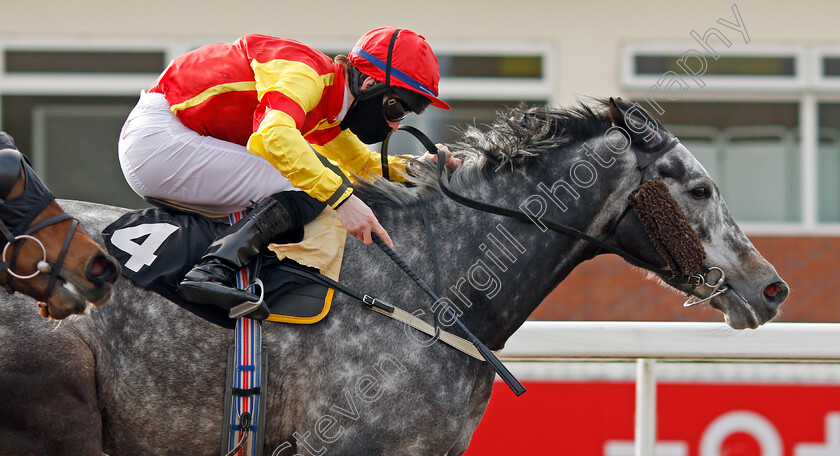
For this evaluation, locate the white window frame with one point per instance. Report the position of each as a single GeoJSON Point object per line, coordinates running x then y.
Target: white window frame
{"type": "Point", "coordinates": [802, 70]}
{"type": "Point", "coordinates": [525, 89]}
{"type": "Point", "coordinates": [822, 84]}
{"type": "Point", "coordinates": [83, 84]}
{"type": "Point", "coordinates": [457, 88]}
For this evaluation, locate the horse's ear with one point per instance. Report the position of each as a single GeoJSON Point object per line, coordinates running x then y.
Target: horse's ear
{"type": "Point", "coordinates": [616, 115]}
{"type": "Point", "coordinates": [638, 123]}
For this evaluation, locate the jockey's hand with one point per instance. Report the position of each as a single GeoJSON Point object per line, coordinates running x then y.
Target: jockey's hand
{"type": "Point", "coordinates": [360, 221]}
{"type": "Point", "coordinates": [451, 161]}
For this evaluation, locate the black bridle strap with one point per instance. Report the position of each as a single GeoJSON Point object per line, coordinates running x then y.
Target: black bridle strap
{"type": "Point", "coordinates": [64, 248]}
{"type": "Point", "coordinates": [557, 227]}
{"type": "Point", "coordinates": [57, 265]}
{"type": "Point", "coordinates": [10, 238]}
{"type": "Point", "coordinates": [47, 222]}
{"type": "Point", "coordinates": [383, 154]}
{"type": "Point", "coordinates": [6, 232]}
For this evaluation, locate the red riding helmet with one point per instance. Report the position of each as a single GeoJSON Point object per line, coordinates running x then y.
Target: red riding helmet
{"type": "Point", "coordinates": [413, 64]}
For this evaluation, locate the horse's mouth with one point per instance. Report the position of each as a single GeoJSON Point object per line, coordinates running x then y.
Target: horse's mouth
{"type": "Point", "coordinates": [741, 320]}
{"type": "Point", "coordinates": [741, 313]}
{"type": "Point", "coordinates": [69, 299]}
{"type": "Point", "coordinates": [744, 304]}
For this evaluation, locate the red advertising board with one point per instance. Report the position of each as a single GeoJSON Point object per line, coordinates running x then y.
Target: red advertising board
{"type": "Point", "coordinates": [694, 419]}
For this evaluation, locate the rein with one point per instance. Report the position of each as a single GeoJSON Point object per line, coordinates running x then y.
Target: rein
{"type": "Point", "coordinates": [643, 160]}
{"type": "Point", "coordinates": [392, 311]}
{"type": "Point", "coordinates": [692, 280]}
{"type": "Point", "coordinates": [485, 351]}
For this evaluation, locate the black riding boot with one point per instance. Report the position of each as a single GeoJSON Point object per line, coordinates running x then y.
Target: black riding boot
{"type": "Point", "coordinates": [212, 281]}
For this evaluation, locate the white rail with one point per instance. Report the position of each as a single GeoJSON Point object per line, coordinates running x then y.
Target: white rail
{"type": "Point", "coordinates": [673, 341]}
{"type": "Point", "coordinates": [647, 342]}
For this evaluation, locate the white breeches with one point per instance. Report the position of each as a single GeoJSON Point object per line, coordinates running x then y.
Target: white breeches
{"type": "Point", "coordinates": [161, 158]}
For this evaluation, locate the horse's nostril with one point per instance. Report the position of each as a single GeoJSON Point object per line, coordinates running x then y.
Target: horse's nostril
{"type": "Point", "coordinates": [97, 267]}
{"type": "Point", "coordinates": [102, 269]}
{"type": "Point", "coordinates": [776, 292]}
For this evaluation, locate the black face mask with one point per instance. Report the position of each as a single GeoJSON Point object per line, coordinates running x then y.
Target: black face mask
{"type": "Point", "coordinates": [367, 121]}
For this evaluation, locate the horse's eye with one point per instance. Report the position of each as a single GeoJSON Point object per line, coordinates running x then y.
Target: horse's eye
{"type": "Point", "coordinates": [700, 192]}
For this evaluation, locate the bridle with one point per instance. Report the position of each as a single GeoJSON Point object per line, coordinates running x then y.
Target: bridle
{"type": "Point", "coordinates": [20, 213]}
{"type": "Point", "coordinates": [643, 160]}
{"type": "Point", "coordinates": [43, 265]}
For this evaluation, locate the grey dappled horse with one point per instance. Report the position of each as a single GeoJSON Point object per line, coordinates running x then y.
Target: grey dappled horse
{"type": "Point", "coordinates": [143, 376]}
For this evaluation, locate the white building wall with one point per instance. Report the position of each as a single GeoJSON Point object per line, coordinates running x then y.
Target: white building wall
{"type": "Point", "coordinates": [586, 36]}
{"type": "Point", "coordinates": [585, 49]}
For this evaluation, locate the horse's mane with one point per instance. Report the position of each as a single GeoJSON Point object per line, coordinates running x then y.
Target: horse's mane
{"type": "Point", "coordinates": [516, 135]}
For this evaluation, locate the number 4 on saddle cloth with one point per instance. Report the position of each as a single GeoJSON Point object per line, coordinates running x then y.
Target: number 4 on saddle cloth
{"type": "Point", "coordinates": [157, 247]}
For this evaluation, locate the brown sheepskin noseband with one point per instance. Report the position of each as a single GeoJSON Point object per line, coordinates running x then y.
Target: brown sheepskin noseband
{"type": "Point", "coordinates": [668, 229]}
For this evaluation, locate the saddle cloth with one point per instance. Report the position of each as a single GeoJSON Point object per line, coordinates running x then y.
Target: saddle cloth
{"type": "Point", "coordinates": [157, 247]}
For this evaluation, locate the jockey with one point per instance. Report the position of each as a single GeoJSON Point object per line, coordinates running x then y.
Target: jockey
{"type": "Point", "coordinates": [266, 119]}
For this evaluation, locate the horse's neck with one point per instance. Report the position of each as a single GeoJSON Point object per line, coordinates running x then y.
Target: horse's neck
{"type": "Point", "coordinates": [496, 270]}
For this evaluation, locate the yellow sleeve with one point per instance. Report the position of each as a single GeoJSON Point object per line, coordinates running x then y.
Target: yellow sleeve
{"type": "Point", "coordinates": [296, 81]}
{"type": "Point", "coordinates": [295, 89]}
{"type": "Point", "coordinates": [281, 143]}
{"type": "Point", "coordinates": [352, 155]}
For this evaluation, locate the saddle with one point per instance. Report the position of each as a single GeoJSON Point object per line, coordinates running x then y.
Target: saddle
{"type": "Point", "coordinates": [158, 246]}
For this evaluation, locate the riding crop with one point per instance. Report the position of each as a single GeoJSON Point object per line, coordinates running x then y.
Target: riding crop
{"type": "Point", "coordinates": [488, 355]}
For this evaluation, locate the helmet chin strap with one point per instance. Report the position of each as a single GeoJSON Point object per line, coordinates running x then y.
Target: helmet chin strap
{"type": "Point", "coordinates": [355, 83]}
{"type": "Point", "coordinates": [375, 89]}
{"type": "Point", "coordinates": [388, 62]}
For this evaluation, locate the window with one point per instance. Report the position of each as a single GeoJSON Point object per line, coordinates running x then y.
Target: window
{"type": "Point", "coordinates": [71, 61]}
{"type": "Point", "coordinates": [65, 103]}
{"type": "Point", "coordinates": [828, 163]}
{"type": "Point", "coordinates": [489, 66]}
{"type": "Point", "coordinates": [82, 137]}
{"type": "Point", "coordinates": [765, 124]}
{"type": "Point", "coordinates": [749, 149]}
{"type": "Point", "coordinates": [724, 66]}
{"type": "Point", "coordinates": [745, 67]}
{"type": "Point", "coordinates": [831, 67]}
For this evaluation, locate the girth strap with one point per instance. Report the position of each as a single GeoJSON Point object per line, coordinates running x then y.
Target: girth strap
{"type": "Point", "coordinates": [245, 403]}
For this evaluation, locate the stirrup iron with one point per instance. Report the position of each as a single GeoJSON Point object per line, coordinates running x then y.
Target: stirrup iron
{"type": "Point", "coordinates": [246, 308]}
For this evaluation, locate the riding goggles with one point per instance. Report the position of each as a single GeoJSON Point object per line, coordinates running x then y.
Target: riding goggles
{"type": "Point", "coordinates": [394, 109]}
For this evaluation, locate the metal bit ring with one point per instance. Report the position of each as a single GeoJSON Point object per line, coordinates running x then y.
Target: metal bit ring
{"type": "Point", "coordinates": [37, 270]}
